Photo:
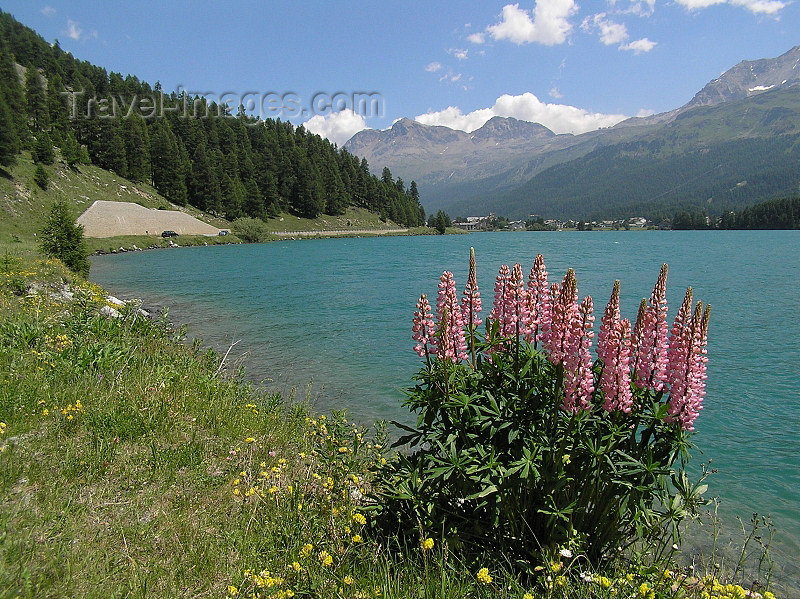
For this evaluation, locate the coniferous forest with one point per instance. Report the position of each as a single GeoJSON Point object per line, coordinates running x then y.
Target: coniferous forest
{"type": "Point", "coordinates": [192, 151]}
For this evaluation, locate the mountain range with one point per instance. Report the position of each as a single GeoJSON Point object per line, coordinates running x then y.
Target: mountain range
{"type": "Point", "coordinates": [735, 143]}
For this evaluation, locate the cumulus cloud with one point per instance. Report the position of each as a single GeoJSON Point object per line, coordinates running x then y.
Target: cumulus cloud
{"type": "Point", "coordinates": [432, 67]}
{"type": "Point", "coordinates": [48, 11]}
{"type": "Point", "coordinates": [758, 7]}
{"type": "Point", "coordinates": [639, 46]}
{"type": "Point", "coordinates": [560, 118]}
{"type": "Point", "coordinates": [642, 8]}
{"type": "Point", "coordinates": [74, 30]}
{"type": "Point", "coordinates": [611, 32]}
{"type": "Point", "coordinates": [549, 24]}
{"type": "Point", "coordinates": [459, 53]}
{"type": "Point", "coordinates": [337, 127]}
{"type": "Point", "coordinates": [477, 38]}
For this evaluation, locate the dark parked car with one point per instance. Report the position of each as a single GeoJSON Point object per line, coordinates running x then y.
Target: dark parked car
{"type": "Point", "coordinates": [169, 234]}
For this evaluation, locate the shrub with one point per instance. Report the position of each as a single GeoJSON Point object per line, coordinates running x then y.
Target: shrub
{"type": "Point", "coordinates": [252, 230]}
{"type": "Point", "coordinates": [525, 444]}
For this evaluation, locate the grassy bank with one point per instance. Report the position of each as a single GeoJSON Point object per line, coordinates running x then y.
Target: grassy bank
{"type": "Point", "coordinates": [133, 465]}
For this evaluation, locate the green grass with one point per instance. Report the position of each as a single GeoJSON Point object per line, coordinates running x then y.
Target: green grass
{"type": "Point", "coordinates": [134, 465]}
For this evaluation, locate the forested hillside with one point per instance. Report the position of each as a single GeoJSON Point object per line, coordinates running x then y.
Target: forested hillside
{"type": "Point", "coordinates": [646, 179]}
{"type": "Point", "coordinates": [192, 151]}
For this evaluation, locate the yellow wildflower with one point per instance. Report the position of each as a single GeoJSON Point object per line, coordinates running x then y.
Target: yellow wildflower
{"type": "Point", "coordinates": [359, 518]}
{"type": "Point", "coordinates": [348, 580]}
{"type": "Point", "coordinates": [484, 577]}
{"type": "Point", "coordinates": [325, 558]}
{"type": "Point", "coordinates": [296, 566]}
{"type": "Point", "coordinates": [306, 550]}
{"type": "Point", "coordinates": [356, 539]}
{"type": "Point", "coordinates": [427, 544]}
{"type": "Point", "coordinates": [249, 440]}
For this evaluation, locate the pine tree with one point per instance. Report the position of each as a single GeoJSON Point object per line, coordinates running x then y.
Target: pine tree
{"type": "Point", "coordinates": [37, 100]}
{"type": "Point", "coordinates": [12, 91]}
{"type": "Point", "coordinates": [9, 140]}
{"type": "Point", "coordinates": [43, 149]}
{"type": "Point", "coordinates": [137, 149]}
{"type": "Point", "coordinates": [40, 177]}
{"type": "Point", "coordinates": [62, 238]}
{"type": "Point", "coordinates": [169, 176]}
{"type": "Point", "coordinates": [70, 150]}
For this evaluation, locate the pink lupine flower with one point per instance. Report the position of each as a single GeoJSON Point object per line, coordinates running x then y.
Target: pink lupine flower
{"type": "Point", "coordinates": [608, 323]}
{"type": "Point", "coordinates": [423, 328]}
{"type": "Point", "coordinates": [564, 310]}
{"type": "Point", "coordinates": [451, 343]}
{"type": "Point", "coordinates": [578, 376]}
{"type": "Point", "coordinates": [518, 300]}
{"type": "Point", "coordinates": [680, 346]}
{"type": "Point", "coordinates": [615, 379]}
{"type": "Point", "coordinates": [686, 397]}
{"type": "Point", "coordinates": [650, 364]}
{"type": "Point", "coordinates": [471, 300]}
{"type": "Point", "coordinates": [538, 300]}
{"type": "Point", "coordinates": [499, 307]}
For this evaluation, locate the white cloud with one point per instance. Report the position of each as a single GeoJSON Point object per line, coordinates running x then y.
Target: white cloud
{"type": "Point", "coordinates": [762, 7]}
{"type": "Point", "coordinates": [459, 53]}
{"type": "Point", "coordinates": [549, 25]}
{"type": "Point", "coordinates": [432, 67]}
{"type": "Point", "coordinates": [643, 112]}
{"type": "Point", "coordinates": [610, 32]}
{"type": "Point", "coordinates": [639, 46]}
{"type": "Point", "coordinates": [555, 93]}
{"type": "Point", "coordinates": [337, 127]}
{"type": "Point", "coordinates": [48, 11]}
{"type": "Point", "coordinates": [641, 8]}
{"type": "Point", "coordinates": [74, 30]}
{"type": "Point", "coordinates": [477, 38]}
{"type": "Point", "coordinates": [560, 118]}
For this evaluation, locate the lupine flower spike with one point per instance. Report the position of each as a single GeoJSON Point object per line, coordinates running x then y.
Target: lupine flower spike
{"type": "Point", "coordinates": [471, 301]}
{"type": "Point", "coordinates": [578, 376]}
{"type": "Point", "coordinates": [538, 300]}
{"type": "Point", "coordinates": [686, 397]}
{"type": "Point", "coordinates": [451, 343]}
{"type": "Point", "coordinates": [613, 348]}
{"type": "Point", "coordinates": [423, 328]}
{"type": "Point", "coordinates": [651, 355]}
{"type": "Point", "coordinates": [615, 380]}
{"type": "Point", "coordinates": [608, 323]}
{"type": "Point", "coordinates": [678, 355]}
{"type": "Point", "coordinates": [565, 306]}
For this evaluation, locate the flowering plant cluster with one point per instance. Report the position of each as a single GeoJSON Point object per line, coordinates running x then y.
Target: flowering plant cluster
{"type": "Point", "coordinates": [526, 441]}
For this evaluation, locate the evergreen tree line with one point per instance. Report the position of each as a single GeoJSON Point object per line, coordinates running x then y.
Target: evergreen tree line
{"type": "Point", "coordinates": [772, 214]}
{"type": "Point", "coordinates": [230, 165]}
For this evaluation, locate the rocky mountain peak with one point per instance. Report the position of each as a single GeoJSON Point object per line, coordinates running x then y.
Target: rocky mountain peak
{"type": "Point", "coordinates": [751, 77]}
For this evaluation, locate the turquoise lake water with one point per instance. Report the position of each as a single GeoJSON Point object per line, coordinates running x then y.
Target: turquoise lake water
{"type": "Point", "coordinates": [338, 311]}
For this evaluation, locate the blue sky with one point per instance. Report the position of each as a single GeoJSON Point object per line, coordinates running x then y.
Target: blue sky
{"type": "Point", "coordinates": [571, 65]}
